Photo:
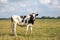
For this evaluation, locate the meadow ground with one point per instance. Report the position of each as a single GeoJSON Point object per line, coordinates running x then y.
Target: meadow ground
{"type": "Point", "coordinates": [43, 29]}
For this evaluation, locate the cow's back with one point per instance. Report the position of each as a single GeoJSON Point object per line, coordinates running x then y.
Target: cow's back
{"type": "Point", "coordinates": [16, 18]}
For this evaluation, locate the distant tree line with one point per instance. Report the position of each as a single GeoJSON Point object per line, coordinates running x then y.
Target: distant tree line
{"type": "Point", "coordinates": [5, 18]}
{"type": "Point", "coordinates": [43, 17]}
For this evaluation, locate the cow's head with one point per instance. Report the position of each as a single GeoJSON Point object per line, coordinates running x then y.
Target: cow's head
{"type": "Point", "coordinates": [34, 15]}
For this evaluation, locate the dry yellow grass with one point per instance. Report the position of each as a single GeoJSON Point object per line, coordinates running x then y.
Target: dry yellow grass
{"type": "Point", "coordinates": [43, 29]}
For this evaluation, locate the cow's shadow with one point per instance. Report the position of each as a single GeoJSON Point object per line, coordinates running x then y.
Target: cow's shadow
{"type": "Point", "coordinates": [21, 35]}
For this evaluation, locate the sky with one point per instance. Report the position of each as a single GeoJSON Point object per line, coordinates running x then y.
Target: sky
{"type": "Point", "coordinates": [25, 7]}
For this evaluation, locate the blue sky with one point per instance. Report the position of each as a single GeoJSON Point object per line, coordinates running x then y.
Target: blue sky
{"type": "Point", "coordinates": [24, 7]}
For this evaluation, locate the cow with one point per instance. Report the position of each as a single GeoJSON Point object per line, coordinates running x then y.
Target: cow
{"type": "Point", "coordinates": [27, 21]}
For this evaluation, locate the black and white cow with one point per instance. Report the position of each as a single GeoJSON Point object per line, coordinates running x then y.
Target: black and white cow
{"type": "Point", "coordinates": [27, 21]}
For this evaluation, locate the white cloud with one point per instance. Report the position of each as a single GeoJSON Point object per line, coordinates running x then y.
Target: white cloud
{"type": "Point", "coordinates": [36, 10]}
{"type": "Point", "coordinates": [17, 4]}
{"type": "Point", "coordinates": [7, 9]}
{"type": "Point", "coordinates": [54, 6]}
{"type": "Point", "coordinates": [12, 7]}
{"type": "Point", "coordinates": [44, 1]}
{"type": "Point", "coordinates": [3, 1]}
{"type": "Point", "coordinates": [55, 2]}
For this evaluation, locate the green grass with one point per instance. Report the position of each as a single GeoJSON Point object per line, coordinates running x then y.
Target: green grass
{"type": "Point", "coordinates": [43, 29]}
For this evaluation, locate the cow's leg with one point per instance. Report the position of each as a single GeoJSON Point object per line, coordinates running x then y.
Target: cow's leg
{"type": "Point", "coordinates": [12, 24]}
{"type": "Point", "coordinates": [31, 29]}
{"type": "Point", "coordinates": [27, 29]}
{"type": "Point", "coordinates": [14, 29]}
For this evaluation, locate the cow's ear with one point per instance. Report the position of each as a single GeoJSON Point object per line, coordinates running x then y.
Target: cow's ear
{"type": "Point", "coordinates": [36, 15]}
{"type": "Point", "coordinates": [24, 16]}
{"type": "Point", "coordinates": [21, 16]}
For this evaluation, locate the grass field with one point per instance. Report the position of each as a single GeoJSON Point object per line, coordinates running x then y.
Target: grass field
{"type": "Point", "coordinates": [43, 29]}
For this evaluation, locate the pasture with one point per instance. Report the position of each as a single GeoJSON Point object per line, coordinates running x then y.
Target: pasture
{"type": "Point", "coordinates": [43, 29]}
